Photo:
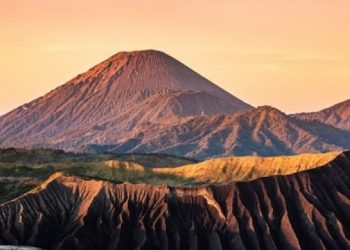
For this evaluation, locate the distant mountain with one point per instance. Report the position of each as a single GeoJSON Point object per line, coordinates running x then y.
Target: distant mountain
{"type": "Point", "coordinates": [125, 90]}
{"type": "Point", "coordinates": [261, 131]}
{"type": "Point", "coordinates": [337, 115]}
{"type": "Point", "coordinates": [148, 102]}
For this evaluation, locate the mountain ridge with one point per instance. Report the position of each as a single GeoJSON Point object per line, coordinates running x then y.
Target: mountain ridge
{"type": "Point", "coordinates": [337, 115]}
{"type": "Point", "coordinates": [305, 210]}
{"type": "Point", "coordinates": [263, 131]}
{"type": "Point", "coordinates": [149, 102]}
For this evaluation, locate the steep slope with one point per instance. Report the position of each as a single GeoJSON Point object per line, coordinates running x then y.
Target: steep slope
{"type": "Point", "coordinates": [119, 93]}
{"type": "Point", "coordinates": [263, 131]}
{"type": "Point", "coordinates": [337, 115]}
{"type": "Point", "coordinates": [306, 210]}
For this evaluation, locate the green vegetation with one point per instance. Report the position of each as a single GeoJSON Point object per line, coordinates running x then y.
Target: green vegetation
{"type": "Point", "coordinates": [42, 156]}
{"type": "Point", "coordinates": [21, 170]}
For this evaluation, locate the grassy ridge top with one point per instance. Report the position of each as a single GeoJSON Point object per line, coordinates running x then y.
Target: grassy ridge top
{"type": "Point", "coordinates": [43, 156]}
{"type": "Point", "coordinates": [248, 168]}
{"type": "Point", "coordinates": [22, 170]}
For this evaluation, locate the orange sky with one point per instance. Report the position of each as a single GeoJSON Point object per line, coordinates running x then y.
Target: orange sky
{"type": "Point", "coordinates": [293, 55]}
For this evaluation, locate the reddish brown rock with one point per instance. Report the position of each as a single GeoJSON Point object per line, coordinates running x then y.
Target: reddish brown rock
{"type": "Point", "coordinates": [306, 210]}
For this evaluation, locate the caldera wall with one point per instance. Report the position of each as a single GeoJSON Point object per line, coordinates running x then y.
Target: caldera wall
{"type": "Point", "coordinates": [307, 210]}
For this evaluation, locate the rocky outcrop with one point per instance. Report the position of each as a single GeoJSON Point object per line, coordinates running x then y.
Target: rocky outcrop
{"type": "Point", "coordinates": [306, 210]}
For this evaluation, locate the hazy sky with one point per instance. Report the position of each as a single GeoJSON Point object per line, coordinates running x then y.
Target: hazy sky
{"type": "Point", "coordinates": [294, 55]}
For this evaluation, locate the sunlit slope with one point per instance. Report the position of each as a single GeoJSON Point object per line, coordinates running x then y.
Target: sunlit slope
{"type": "Point", "coordinates": [248, 167]}
{"type": "Point", "coordinates": [124, 165]}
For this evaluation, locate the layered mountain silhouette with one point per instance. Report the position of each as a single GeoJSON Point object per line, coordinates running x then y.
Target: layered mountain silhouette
{"type": "Point", "coordinates": [261, 131]}
{"type": "Point", "coordinates": [148, 102]}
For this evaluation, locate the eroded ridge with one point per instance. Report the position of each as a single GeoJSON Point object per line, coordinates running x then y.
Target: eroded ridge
{"type": "Point", "coordinates": [306, 210]}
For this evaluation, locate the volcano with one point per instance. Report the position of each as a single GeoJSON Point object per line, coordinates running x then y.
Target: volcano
{"type": "Point", "coordinates": [127, 89]}
{"type": "Point", "coordinates": [148, 102]}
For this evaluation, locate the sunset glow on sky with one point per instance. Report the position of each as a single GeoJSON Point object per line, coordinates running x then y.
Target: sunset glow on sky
{"type": "Point", "coordinates": [293, 55]}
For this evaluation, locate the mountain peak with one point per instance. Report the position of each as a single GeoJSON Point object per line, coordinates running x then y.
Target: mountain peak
{"type": "Point", "coordinates": [151, 71]}
{"type": "Point", "coordinates": [148, 52]}
{"type": "Point", "coordinates": [144, 54]}
{"type": "Point", "coordinates": [123, 92]}
{"type": "Point", "coordinates": [269, 111]}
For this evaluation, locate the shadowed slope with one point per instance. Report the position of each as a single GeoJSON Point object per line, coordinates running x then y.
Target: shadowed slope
{"type": "Point", "coordinates": [306, 210]}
